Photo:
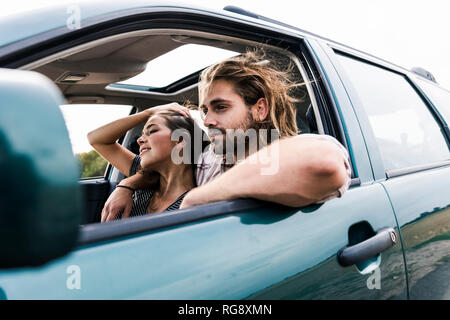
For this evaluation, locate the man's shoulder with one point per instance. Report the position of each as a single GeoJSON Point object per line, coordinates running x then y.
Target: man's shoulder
{"type": "Point", "coordinates": [316, 136]}
{"type": "Point", "coordinates": [325, 137]}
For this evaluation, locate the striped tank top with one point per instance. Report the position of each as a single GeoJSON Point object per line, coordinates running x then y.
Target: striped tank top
{"type": "Point", "coordinates": [141, 197]}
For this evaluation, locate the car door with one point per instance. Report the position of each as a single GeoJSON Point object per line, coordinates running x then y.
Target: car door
{"type": "Point", "coordinates": [426, 230]}
{"type": "Point", "coordinates": [412, 139]}
{"type": "Point", "coordinates": [365, 211]}
{"type": "Point", "coordinates": [244, 249]}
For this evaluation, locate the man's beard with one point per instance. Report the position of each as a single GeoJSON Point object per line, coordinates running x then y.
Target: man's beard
{"type": "Point", "coordinates": [236, 144]}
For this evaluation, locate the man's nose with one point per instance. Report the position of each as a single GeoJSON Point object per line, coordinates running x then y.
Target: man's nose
{"type": "Point", "coordinates": [210, 120]}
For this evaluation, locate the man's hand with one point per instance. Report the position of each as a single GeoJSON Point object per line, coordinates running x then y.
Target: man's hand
{"type": "Point", "coordinates": [308, 170]}
{"type": "Point", "coordinates": [119, 201]}
{"type": "Point", "coordinates": [194, 198]}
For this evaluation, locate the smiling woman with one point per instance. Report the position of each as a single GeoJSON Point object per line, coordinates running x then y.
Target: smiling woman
{"type": "Point", "coordinates": [166, 182]}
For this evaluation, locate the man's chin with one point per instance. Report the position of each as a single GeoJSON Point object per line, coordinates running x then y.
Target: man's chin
{"type": "Point", "coordinates": [219, 145]}
{"type": "Point", "coordinates": [220, 150]}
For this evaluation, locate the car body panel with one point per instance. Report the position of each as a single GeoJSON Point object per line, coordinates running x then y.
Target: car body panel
{"type": "Point", "coordinates": [228, 257]}
{"type": "Point", "coordinates": [421, 201]}
{"type": "Point", "coordinates": [60, 16]}
{"type": "Point", "coordinates": [59, 20]}
{"type": "Point", "coordinates": [422, 204]}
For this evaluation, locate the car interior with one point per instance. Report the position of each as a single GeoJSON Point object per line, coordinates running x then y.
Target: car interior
{"type": "Point", "coordinates": [95, 72]}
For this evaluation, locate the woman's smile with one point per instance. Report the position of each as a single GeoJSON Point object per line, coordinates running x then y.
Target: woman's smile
{"type": "Point", "coordinates": [143, 150]}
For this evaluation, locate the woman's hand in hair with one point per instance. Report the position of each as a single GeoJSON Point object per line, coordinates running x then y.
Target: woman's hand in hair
{"type": "Point", "coordinates": [169, 107]}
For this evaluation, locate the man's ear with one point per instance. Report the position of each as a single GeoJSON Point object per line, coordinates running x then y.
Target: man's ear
{"type": "Point", "coordinates": [260, 110]}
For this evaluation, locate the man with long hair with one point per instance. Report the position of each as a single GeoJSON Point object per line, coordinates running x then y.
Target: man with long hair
{"type": "Point", "coordinates": [242, 98]}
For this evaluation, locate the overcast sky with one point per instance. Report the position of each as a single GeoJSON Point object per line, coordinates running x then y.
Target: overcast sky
{"type": "Point", "coordinates": [408, 33]}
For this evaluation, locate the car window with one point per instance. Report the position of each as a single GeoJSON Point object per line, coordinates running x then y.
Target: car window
{"type": "Point", "coordinates": [405, 130]}
{"type": "Point", "coordinates": [439, 96]}
{"type": "Point", "coordinates": [80, 119]}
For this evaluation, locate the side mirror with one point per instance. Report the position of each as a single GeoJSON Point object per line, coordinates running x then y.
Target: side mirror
{"type": "Point", "coordinates": [40, 200]}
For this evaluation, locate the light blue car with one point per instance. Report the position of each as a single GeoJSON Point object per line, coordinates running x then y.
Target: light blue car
{"type": "Point", "coordinates": [388, 237]}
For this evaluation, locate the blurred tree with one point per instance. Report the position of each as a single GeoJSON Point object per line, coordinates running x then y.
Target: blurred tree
{"type": "Point", "coordinates": [91, 164]}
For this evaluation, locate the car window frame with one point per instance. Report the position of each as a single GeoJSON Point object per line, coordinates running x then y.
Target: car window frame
{"type": "Point", "coordinates": [100, 232]}
{"type": "Point", "coordinates": [371, 60]}
{"type": "Point", "coordinates": [432, 102]}
{"type": "Point", "coordinates": [294, 42]}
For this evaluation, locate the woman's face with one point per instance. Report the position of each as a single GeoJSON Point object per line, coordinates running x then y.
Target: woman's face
{"type": "Point", "coordinates": [155, 144]}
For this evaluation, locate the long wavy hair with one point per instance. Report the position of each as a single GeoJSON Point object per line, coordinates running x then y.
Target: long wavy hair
{"type": "Point", "coordinates": [255, 76]}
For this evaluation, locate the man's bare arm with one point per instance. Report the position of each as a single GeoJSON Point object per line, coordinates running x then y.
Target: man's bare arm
{"type": "Point", "coordinates": [121, 199]}
{"type": "Point", "coordinates": [307, 170]}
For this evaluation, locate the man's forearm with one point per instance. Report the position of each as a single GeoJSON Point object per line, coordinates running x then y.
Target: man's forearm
{"type": "Point", "coordinates": [303, 172]}
{"type": "Point", "coordinates": [136, 181]}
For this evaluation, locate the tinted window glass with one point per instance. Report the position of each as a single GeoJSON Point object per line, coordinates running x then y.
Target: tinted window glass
{"type": "Point", "coordinates": [439, 96]}
{"type": "Point", "coordinates": [406, 132]}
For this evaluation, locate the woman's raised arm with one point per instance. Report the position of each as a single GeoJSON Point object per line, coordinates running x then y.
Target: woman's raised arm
{"type": "Point", "coordinates": [104, 139]}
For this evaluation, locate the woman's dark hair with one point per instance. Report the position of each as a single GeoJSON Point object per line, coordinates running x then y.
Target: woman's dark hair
{"type": "Point", "coordinates": [177, 121]}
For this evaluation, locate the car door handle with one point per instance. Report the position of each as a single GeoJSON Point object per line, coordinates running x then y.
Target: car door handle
{"type": "Point", "coordinates": [384, 239]}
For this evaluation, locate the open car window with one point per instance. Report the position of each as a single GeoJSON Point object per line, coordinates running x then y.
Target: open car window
{"type": "Point", "coordinates": [91, 71]}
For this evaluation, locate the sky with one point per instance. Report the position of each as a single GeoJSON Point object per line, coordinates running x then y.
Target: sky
{"type": "Point", "coordinates": [409, 33]}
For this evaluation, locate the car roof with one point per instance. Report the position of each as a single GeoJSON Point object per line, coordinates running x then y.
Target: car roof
{"type": "Point", "coordinates": [31, 23]}
{"type": "Point", "coordinates": [54, 16]}
{"type": "Point", "coordinates": [57, 16]}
